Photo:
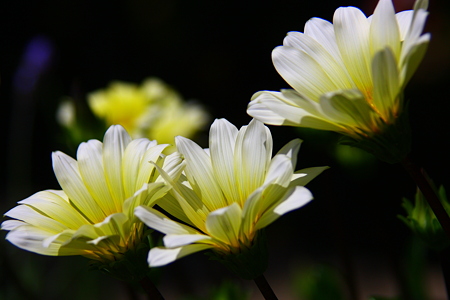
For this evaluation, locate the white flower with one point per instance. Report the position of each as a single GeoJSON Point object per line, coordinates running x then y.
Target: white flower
{"type": "Point", "coordinates": [228, 193]}
{"type": "Point", "coordinates": [347, 76]}
{"type": "Point", "coordinates": [93, 214]}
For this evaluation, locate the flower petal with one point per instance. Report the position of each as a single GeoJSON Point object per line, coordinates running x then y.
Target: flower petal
{"type": "Point", "coordinates": [54, 206]}
{"type": "Point", "coordinates": [158, 257]}
{"type": "Point", "coordinates": [158, 221]}
{"type": "Point", "coordinates": [266, 106]}
{"type": "Point", "coordinates": [200, 173]}
{"type": "Point", "coordinates": [352, 35]}
{"type": "Point", "coordinates": [323, 32]}
{"type": "Point", "coordinates": [222, 140]}
{"type": "Point", "coordinates": [90, 165]}
{"type": "Point", "coordinates": [304, 176]}
{"type": "Point", "coordinates": [384, 29]}
{"type": "Point", "coordinates": [413, 59]}
{"type": "Point", "coordinates": [298, 197]}
{"type": "Point", "coordinates": [132, 163]}
{"type": "Point", "coordinates": [333, 68]}
{"type": "Point", "coordinates": [291, 150]}
{"type": "Point", "coordinates": [179, 240]}
{"type": "Point", "coordinates": [302, 72]}
{"type": "Point", "coordinates": [280, 171]}
{"type": "Point", "coordinates": [224, 224]}
{"type": "Point", "coordinates": [404, 19]}
{"type": "Point", "coordinates": [114, 143]}
{"type": "Point", "coordinates": [348, 108]}
{"type": "Point", "coordinates": [413, 35]}
{"type": "Point", "coordinates": [386, 82]}
{"type": "Point", "coordinates": [251, 158]}
{"type": "Point", "coordinates": [31, 238]}
{"type": "Point", "coordinates": [68, 175]}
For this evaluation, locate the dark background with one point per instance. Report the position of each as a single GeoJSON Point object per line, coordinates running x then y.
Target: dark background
{"type": "Point", "coordinates": [218, 53]}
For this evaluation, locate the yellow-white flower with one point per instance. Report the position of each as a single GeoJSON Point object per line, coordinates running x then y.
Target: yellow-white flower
{"type": "Point", "coordinates": [153, 110]}
{"type": "Point", "coordinates": [228, 193]}
{"type": "Point", "coordinates": [347, 76]}
{"type": "Point", "coordinates": [93, 214]}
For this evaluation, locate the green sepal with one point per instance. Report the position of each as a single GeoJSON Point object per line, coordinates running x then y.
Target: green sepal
{"type": "Point", "coordinates": [422, 221]}
{"type": "Point", "coordinates": [249, 262]}
{"type": "Point", "coordinates": [132, 266]}
{"type": "Point", "coordinates": [392, 144]}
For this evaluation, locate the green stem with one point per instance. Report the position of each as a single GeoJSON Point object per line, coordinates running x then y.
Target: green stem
{"type": "Point", "coordinates": [265, 288]}
{"type": "Point", "coordinates": [429, 194]}
{"type": "Point", "coordinates": [151, 290]}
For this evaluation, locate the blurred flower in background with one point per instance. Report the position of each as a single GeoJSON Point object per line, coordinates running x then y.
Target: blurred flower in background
{"type": "Point", "coordinates": [153, 110]}
{"type": "Point", "coordinates": [93, 214]}
{"type": "Point", "coordinates": [348, 76]}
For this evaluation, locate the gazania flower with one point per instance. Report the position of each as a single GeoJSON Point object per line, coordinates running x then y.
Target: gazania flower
{"type": "Point", "coordinates": [347, 76]}
{"type": "Point", "coordinates": [93, 214]}
{"type": "Point", "coordinates": [229, 192]}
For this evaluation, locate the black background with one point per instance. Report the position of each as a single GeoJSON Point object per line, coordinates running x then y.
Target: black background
{"type": "Point", "coordinates": [218, 53]}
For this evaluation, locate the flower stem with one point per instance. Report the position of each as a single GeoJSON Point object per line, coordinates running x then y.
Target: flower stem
{"type": "Point", "coordinates": [429, 193]}
{"type": "Point", "coordinates": [445, 265]}
{"type": "Point", "coordinates": [265, 288]}
{"type": "Point", "coordinates": [151, 290]}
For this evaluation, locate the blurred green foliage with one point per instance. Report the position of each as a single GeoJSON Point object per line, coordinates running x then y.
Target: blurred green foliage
{"type": "Point", "coordinates": [318, 283]}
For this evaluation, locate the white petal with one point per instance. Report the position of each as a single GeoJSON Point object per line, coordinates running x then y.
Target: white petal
{"type": "Point", "coordinates": [300, 197]}
{"type": "Point", "coordinates": [115, 224]}
{"type": "Point", "coordinates": [294, 116]}
{"type": "Point", "coordinates": [334, 68]}
{"type": "Point", "coordinates": [251, 158]}
{"type": "Point", "coordinates": [258, 110]}
{"type": "Point", "coordinates": [304, 176]}
{"type": "Point", "coordinates": [291, 150]}
{"type": "Point", "coordinates": [132, 162]}
{"type": "Point", "coordinates": [280, 171]}
{"type": "Point", "coordinates": [349, 108]}
{"type": "Point", "coordinates": [145, 167]}
{"type": "Point", "coordinates": [222, 139]}
{"type": "Point", "coordinates": [224, 224]}
{"type": "Point", "coordinates": [170, 204]}
{"type": "Point", "coordinates": [66, 171]}
{"type": "Point", "coordinates": [384, 30]}
{"type": "Point", "coordinates": [413, 59]}
{"type": "Point", "coordinates": [352, 36]}
{"type": "Point", "coordinates": [173, 166]}
{"type": "Point", "coordinates": [294, 200]}
{"type": "Point", "coordinates": [323, 32]}
{"type": "Point", "coordinates": [413, 35]}
{"type": "Point", "coordinates": [302, 72]}
{"type": "Point", "coordinates": [115, 141]}
{"type": "Point", "coordinates": [12, 224]}
{"type": "Point", "coordinates": [200, 173]}
{"type": "Point", "coordinates": [31, 238]}
{"type": "Point", "coordinates": [158, 257]}
{"type": "Point", "coordinates": [386, 82]}
{"type": "Point", "coordinates": [193, 207]}
{"type": "Point", "coordinates": [404, 19]}
{"type": "Point", "coordinates": [33, 217]}
{"type": "Point", "coordinates": [90, 165]}
{"type": "Point", "coordinates": [178, 240]}
{"type": "Point", "coordinates": [156, 220]}
{"type": "Point", "coordinates": [421, 4]}
{"type": "Point", "coordinates": [55, 207]}
{"type": "Point", "coordinates": [251, 211]}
